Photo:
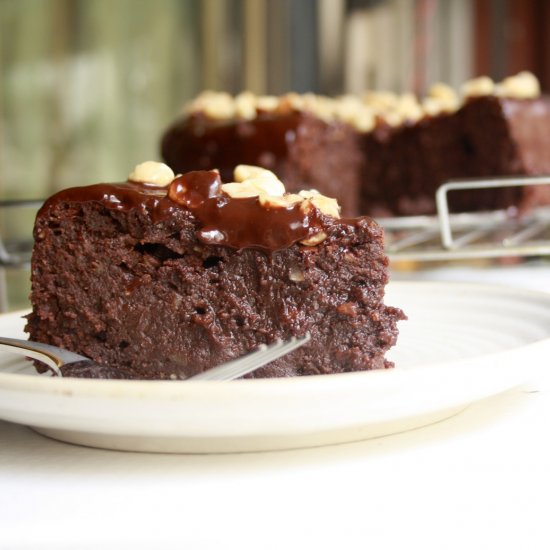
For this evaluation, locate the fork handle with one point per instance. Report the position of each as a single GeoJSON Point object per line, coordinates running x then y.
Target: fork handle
{"type": "Point", "coordinates": [252, 361]}
{"type": "Point", "coordinates": [35, 350]}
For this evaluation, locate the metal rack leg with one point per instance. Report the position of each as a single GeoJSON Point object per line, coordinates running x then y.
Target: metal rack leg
{"type": "Point", "coordinates": [3, 291]}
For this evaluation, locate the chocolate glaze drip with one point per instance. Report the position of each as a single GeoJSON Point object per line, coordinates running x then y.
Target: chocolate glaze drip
{"type": "Point", "coordinates": [114, 196]}
{"type": "Point", "coordinates": [237, 223]}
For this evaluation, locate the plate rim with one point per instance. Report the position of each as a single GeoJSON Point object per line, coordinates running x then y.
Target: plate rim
{"type": "Point", "coordinates": [66, 408]}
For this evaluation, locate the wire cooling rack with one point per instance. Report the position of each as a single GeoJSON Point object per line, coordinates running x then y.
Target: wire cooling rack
{"type": "Point", "coordinates": [446, 236]}
{"type": "Point", "coordinates": [442, 237]}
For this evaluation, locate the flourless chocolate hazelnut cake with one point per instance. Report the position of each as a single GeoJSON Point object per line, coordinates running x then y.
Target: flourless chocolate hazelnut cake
{"type": "Point", "coordinates": [164, 276]}
{"type": "Point", "coordinates": [380, 154]}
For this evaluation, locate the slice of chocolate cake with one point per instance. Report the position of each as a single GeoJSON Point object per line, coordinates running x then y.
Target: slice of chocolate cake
{"type": "Point", "coordinates": [163, 277]}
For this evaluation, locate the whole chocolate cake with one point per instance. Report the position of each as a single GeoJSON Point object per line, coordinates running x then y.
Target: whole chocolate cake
{"type": "Point", "coordinates": [163, 277]}
{"type": "Point", "coordinates": [382, 154]}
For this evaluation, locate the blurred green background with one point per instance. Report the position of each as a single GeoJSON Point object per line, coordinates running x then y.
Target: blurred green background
{"type": "Point", "coordinates": [87, 86]}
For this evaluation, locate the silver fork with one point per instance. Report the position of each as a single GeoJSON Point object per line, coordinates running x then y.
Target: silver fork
{"type": "Point", "coordinates": [56, 358]}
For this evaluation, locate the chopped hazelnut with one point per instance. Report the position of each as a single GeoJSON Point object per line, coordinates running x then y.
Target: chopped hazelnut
{"type": "Point", "coordinates": [326, 205]}
{"type": "Point", "coordinates": [155, 173]}
{"type": "Point", "coordinates": [308, 193]}
{"type": "Point", "coordinates": [432, 106]}
{"type": "Point", "coordinates": [364, 121]}
{"type": "Point", "coordinates": [524, 85]}
{"type": "Point", "coordinates": [244, 172]}
{"type": "Point", "coordinates": [268, 186]}
{"type": "Point", "coordinates": [245, 105]}
{"type": "Point", "coordinates": [240, 190]}
{"type": "Point", "coordinates": [380, 101]}
{"type": "Point", "coordinates": [215, 105]}
{"type": "Point", "coordinates": [409, 108]}
{"type": "Point", "coordinates": [291, 101]}
{"type": "Point", "coordinates": [253, 181]}
{"type": "Point", "coordinates": [315, 239]}
{"type": "Point", "coordinates": [322, 107]}
{"type": "Point", "coordinates": [350, 109]}
{"type": "Point", "coordinates": [268, 201]}
{"type": "Point", "coordinates": [441, 98]}
{"type": "Point", "coordinates": [393, 118]}
{"type": "Point", "coordinates": [480, 86]}
{"type": "Point", "coordinates": [296, 275]}
{"type": "Point", "coordinates": [443, 92]}
{"type": "Point", "coordinates": [219, 106]}
{"type": "Point", "coordinates": [267, 102]}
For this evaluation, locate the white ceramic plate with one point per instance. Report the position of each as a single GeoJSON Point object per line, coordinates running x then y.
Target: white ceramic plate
{"type": "Point", "coordinates": [462, 343]}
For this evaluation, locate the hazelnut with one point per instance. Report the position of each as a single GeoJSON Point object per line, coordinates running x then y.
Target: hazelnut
{"type": "Point", "coordinates": [441, 98]}
{"type": "Point", "coordinates": [346, 108]}
{"type": "Point", "coordinates": [480, 86]}
{"type": "Point", "coordinates": [240, 190]}
{"type": "Point", "coordinates": [322, 107]}
{"type": "Point", "coordinates": [296, 275]}
{"type": "Point", "coordinates": [326, 205]}
{"type": "Point", "coordinates": [350, 109]}
{"type": "Point", "coordinates": [524, 85]}
{"type": "Point", "coordinates": [245, 105]}
{"type": "Point", "coordinates": [285, 201]}
{"type": "Point", "coordinates": [291, 101]}
{"type": "Point", "coordinates": [268, 186]}
{"type": "Point", "coordinates": [409, 108]}
{"type": "Point", "coordinates": [315, 240]}
{"type": "Point", "coordinates": [393, 118]}
{"type": "Point", "coordinates": [431, 106]}
{"type": "Point", "coordinates": [265, 181]}
{"type": "Point", "coordinates": [364, 121]}
{"type": "Point", "coordinates": [197, 103]}
{"type": "Point", "coordinates": [219, 106]}
{"type": "Point", "coordinates": [380, 101]}
{"type": "Point", "coordinates": [443, 92]}
{"type": "Point", "coordinates": [155, 173]}
{"type": "Point", "coordinates": [267, 102]}
{"type": "Point", "coordinates": [244, 172]}
{"type": "Point", "coordinates": [308, 193]}
{"type": "Point", "coordinates": [253, 181]}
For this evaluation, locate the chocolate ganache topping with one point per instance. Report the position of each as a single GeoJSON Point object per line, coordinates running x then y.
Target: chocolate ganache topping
{"type": "Point", "coordinates": [246, 214]}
